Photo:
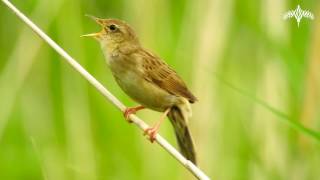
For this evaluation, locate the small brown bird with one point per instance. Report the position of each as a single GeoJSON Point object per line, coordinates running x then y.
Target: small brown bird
{"type": "Point", "coordinates": [147, 79]}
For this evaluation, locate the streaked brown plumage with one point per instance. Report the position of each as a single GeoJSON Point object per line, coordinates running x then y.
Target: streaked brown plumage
{"type": "Point", "coordinates": [147, 79]}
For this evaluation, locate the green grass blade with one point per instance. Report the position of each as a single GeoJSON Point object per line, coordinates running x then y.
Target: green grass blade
{"type": "Point", "coordinates": [293, 123]}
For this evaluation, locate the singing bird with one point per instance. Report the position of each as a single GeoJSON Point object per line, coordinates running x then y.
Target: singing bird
{"type": "Point", "coordinates": [147, 79]}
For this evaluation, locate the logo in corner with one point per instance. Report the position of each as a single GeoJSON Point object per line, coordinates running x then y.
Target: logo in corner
{"type": "Point", "coordinates": [298, 14]}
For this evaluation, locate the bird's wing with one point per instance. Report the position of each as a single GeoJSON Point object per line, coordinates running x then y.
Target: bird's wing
{"type": "Point", "coordinates": [160, 74]}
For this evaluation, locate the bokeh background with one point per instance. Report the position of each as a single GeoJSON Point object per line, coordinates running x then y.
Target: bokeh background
{"type": "Point", "coordinates": [256, 75]}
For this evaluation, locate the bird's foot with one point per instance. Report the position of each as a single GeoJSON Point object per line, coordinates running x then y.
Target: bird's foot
{"type": "Point", "coordinates": [131, 110]}
{"type": "Point", "coordinates": [127, 113]}
{"type": "Point", "coordinates": [151, 132]}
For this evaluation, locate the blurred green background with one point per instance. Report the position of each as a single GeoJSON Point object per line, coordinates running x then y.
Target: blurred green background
{"type": "Point", "coordinates": [257, 78]}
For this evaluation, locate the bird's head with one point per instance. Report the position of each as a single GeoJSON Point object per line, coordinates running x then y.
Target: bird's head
{"type": "Point", "coordinates": [114, 32]}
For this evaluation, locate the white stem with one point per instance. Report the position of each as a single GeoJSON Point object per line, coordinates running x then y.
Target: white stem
{"type": "Point", "coordinates": [141, 124]}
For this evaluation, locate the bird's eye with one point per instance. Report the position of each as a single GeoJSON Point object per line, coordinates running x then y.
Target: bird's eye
{"type": "Point", "coordinates": [112, 27]}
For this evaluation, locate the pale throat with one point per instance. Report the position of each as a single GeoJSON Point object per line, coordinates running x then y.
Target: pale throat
{"type": "Point", "coordinates": [110, 50]}
{"type": "Point", "coordinates": [113, 50]}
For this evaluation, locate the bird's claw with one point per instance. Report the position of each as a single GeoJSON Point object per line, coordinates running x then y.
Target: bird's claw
{"type": "Point", "coordinates": [152, 133]}
{"type": "Point", "coordinates": [128, 112]}
{"type": "Point", "coordinates": [132, 110]}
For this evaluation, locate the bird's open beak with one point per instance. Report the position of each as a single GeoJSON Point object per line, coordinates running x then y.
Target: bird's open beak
{"type": "Point", "coordinates": [98, 21]}
{"type": "Point", "coordinates": [95, 35]}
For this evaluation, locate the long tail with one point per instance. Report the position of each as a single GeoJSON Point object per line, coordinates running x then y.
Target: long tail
{"type": "Point", "coordinates": [183, 135]}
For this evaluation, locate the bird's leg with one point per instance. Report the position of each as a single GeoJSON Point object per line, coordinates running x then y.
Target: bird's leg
{"type": "Point", "coordinates": [152, 131]}
{"type": "Point", "coordinates": [131, 110]}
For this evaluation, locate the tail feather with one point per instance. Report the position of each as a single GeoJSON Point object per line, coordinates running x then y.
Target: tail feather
{"type": "Point", "coordinates": [184, 139]}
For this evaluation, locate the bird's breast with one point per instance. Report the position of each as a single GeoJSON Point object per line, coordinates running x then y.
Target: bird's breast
{"type": "Point", "coordinates": [131, 80]}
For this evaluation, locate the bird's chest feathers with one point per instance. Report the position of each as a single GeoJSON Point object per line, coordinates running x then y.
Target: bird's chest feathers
{"type": "Point", "coordinates": [110, 51]}
{"type": "Point", "coordinates": [130, 76]}
{"type": "Point", "coordinates": [126, 73]}
{"type": "Point", "coordinates": [124, 68]}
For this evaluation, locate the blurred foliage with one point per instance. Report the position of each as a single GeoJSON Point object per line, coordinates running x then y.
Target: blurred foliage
{"type": "Point", "coordinates": [251, 70]}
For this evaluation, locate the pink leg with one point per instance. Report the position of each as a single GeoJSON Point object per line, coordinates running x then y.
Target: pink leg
{"type": "Point", "coordinates": [152, 131]}
{"type": "Point", "coordinates": [131, 110]}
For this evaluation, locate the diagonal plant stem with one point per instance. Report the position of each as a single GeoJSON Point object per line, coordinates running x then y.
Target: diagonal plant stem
{"type": "Point", "coordinates": [137, 121]}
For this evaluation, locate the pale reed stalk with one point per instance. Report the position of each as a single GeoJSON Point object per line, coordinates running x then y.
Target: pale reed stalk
{"type": "Point", "coordinates": [137, 121]}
